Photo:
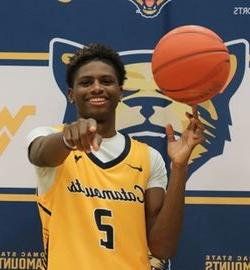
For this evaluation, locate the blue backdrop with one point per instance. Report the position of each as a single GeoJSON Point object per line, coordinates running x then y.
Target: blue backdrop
{"type": "Point", "coordinates": [34, 37]}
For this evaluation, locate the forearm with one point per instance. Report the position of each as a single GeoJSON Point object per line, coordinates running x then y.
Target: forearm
{"type": "Point", "coordinates": [48, 151]}
{"type": "Point", "coordinates": [165, 231]}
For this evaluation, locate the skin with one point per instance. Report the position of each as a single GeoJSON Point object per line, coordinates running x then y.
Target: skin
{"type": "Point", "coordinates": [96, 93]}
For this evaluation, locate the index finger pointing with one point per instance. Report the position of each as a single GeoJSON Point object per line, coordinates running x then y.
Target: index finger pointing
{"type": "Point", "coordinates": [96, 142]}
{"type": "Point", "coordinates": [92, 125]}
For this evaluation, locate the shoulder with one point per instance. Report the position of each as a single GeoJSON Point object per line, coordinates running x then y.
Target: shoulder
{"type": "Point", "coordinates": [156, 159]}
{"type": "Point", "coordinates": [154, 154]}
{"type": "Point", "coordinates": [158, 177]}
{"type": "Point", "coordinates": [137, 142]}
{"type": "Point", "coordinates": [158, 172]}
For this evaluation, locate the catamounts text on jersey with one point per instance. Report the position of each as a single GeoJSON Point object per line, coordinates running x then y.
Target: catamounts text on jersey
{"type": "Point", "coordinates": [137, 195]}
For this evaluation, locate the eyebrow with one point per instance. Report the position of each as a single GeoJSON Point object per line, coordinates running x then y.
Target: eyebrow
{"type": "Point", "coordinates": [102, 76]}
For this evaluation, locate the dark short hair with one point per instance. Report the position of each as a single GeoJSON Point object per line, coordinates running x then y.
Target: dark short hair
{"type": "Point", "coordinates": [95, 52]}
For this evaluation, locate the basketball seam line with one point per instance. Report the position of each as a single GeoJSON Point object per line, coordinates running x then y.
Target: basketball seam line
{"type": "Point", "coordinates": [194, 32]}
{"type": "Point", "coordinates": [186, 56]}
{"type": "Point", "coordinates": [204, 78]}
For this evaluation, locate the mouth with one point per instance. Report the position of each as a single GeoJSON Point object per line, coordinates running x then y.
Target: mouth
{"type": "Point", "coordinates": [98, 101]}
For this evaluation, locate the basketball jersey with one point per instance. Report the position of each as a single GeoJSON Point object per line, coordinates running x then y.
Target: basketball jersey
{"type": "Point", "coordinates": [93, 216]}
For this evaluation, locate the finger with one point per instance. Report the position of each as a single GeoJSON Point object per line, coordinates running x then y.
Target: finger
{"type": "Point", "coordinates": [75, 135]}
{"type": "Point", "coordinates": [195, 111]}
{"type": "Point", "coordinates": [96, 142]}
{"type": "Point", "coordinates": [91, 134]}
{"type": "Point", "coordinates": [198, 139]}
{"type": "Point", "coordinates": [200, 126]}
{"type": "Point", "coordinates": [85, 141]}
{"type": "Point", "coordinates": [192, 124]}
{"type": "Point", "coordinates": [198, 132]}
{"type": "Point", "coordinates": [68, 135]}
{"type": "Point", "coordinates": [197, 124]}
{"type": "Point", "coordinates": [92, 125]}
{"type": "Point", "coordinates": [170, 133]}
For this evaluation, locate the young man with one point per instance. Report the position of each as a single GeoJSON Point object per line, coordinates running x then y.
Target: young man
{"type": "Point", "coordinates": [102, 195]}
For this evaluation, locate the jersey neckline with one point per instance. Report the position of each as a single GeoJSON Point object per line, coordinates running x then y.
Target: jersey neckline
{"type": "Point", "coordinates": [109, 164]}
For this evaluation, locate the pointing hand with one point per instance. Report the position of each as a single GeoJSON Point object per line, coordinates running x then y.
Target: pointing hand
{"type": "Point", "coordinates": [82, 135]}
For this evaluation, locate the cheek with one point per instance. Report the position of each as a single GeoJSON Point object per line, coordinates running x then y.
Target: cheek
{"type": "Point", "coordinates": [79, 94]}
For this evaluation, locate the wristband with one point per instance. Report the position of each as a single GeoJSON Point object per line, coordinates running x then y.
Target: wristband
{"type": "Point", "coordinates": [68, 146]}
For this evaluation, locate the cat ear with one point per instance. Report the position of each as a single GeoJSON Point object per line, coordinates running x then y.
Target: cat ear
{"type": "Point", "coordinates": [238, 63]}
{"type": "Point", "coordinates": [60, 51]}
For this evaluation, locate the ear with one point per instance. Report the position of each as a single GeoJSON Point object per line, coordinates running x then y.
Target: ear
{"type": "Point", "coordinates": [71, 96]}
{"type": "Point", "coordinates": [121, 93]}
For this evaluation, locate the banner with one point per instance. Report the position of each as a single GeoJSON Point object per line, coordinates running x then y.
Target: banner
{"type": "Point", "coordinates": [36, 40]}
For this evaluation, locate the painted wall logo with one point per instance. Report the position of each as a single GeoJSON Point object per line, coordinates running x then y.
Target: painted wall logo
{"type": "Point", "coordinates": [9, 125]}
{"type": "Point", "coordinates": [149, 8]}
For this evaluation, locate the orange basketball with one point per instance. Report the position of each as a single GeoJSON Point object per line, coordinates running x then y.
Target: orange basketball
{"type": "Point", "coordinates": [191, 64]}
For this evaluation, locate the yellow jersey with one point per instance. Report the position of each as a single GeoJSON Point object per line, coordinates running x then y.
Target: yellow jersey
{"type": "Point", "coordinates": [93, 216]}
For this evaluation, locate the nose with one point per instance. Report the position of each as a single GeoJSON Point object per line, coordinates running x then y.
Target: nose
{"type": "Point", "coordinates": [97, 86]}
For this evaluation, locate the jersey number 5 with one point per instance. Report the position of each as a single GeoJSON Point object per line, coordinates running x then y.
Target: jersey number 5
{"type": "Point", "coordinates": [109, 241]}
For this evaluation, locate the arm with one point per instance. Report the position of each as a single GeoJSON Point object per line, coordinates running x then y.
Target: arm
{"type": "Point", "coordinates": [164, 211]}
{"type": "Point", "coordinates": [48, 151]}
{"type": "Point", "coordinates": [165, 214]}
{"type": "Point", "coordinates": [52, 150]}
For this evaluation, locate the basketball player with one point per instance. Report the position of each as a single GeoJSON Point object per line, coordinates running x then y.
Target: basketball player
{"type": "Point", "coordinates": [101, 195]}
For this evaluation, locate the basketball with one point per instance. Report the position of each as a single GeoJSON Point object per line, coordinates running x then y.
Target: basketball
{"type": "Point", "coordinates": [191, 64]}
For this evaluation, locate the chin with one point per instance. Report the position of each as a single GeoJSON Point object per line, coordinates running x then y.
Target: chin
{"type": "Point", "coordinates": [99, 116]}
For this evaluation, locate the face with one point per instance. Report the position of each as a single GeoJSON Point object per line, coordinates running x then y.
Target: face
{"type": "Point", "coordinates": [96, 91]}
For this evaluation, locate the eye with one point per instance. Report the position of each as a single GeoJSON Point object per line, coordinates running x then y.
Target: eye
{"type": "Point", "coordinates": [107, 81]}
{"type": "Point", "coordinates": [85, 83]}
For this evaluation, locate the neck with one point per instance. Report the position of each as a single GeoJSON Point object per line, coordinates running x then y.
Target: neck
{"type": "Point", "coordinates": [106, 131]}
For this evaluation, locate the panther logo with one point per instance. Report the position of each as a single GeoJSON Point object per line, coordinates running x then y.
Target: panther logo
{"type": "Point", "coordinates": [149, 8]}
{"type": "Point", "coordinates": [150, 110]}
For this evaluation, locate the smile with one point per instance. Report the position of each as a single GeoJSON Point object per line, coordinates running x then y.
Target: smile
{"type": "Point", "coordinates": [98, 101]}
